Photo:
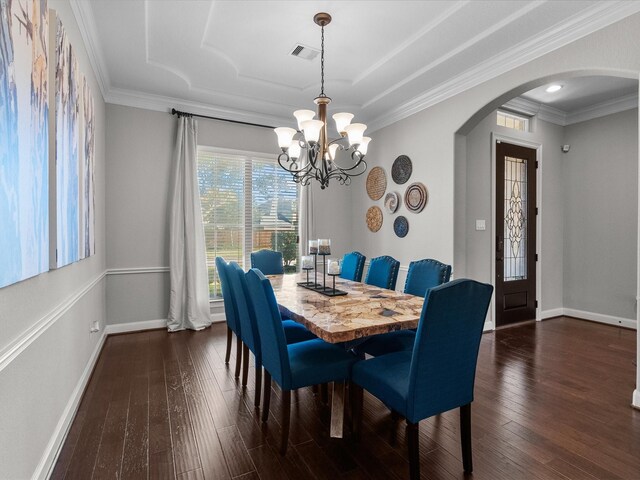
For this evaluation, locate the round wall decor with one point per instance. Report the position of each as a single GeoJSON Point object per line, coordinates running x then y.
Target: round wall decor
{"type": "Point", "coordinates": [401, 169]}
{"type": "Point", "coordinates": [392, 202]}
{"type": "Point", "coordinates": [401, 226]}
{"type": "Point", "coordinates": [415, 198]}
{"type": "Point", "coordinates": [376, 183]}
{"type": "Point", "coordinates": [374, 218]}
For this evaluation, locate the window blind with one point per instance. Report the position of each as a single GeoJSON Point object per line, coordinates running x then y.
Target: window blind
{"type": "Point", "coordinates": [248, 203]}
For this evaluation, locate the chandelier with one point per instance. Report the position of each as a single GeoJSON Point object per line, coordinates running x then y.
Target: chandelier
{"type": "Point", "coordinates": [307, 153]}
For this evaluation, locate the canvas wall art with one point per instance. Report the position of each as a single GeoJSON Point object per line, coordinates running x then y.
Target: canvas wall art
{"type": "Point", "coordinates": [24, 144]}
{"type": "Point", "coordinates": [87, 124]}
{"type": "Point", "coordinates": [67, 150]}
{"type": "Point", "coordinates": [75, 156]}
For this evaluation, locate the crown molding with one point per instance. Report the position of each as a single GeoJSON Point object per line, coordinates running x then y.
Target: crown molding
{"type": "Point", "coordinates": [562, 118]}
{"type": "Point", "coordinates": [595, 18]}
{"type": "Point", "coordinates": [83, 12]}
{"type": "Point", "coordinates": [605, 108]}
{"type": "Point", "coordinates": [162, 103]}
{"type": "Point", "coordinates": [531, 108]}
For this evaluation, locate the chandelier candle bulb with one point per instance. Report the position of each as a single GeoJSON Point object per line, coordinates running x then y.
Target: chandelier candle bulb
{"type": "Point", "coordinates": [332, 151]}
{"type": "Point", "coordinates": [333, 267]}
{"type": "Point", "coordinates": [307, 262]}
{"type": "Point", "coordinates": [364, 144]}
{"type": "Point", "coordinates": [285, 136]}
{"type": "Point", "coordinates": [342, 119]}
{"type": "Point", "coordinates": [303, 116]}
{"type": "Point", "coordinates": [355, 131]}
{"type": "Point", "coordinates": [324, 246]}
{"type": "Point", "coordinates": [313, 247]}
{"type": "Point", "coordinates": [312, 130]}
{"type": "Point", "coordinates": [294, 150]}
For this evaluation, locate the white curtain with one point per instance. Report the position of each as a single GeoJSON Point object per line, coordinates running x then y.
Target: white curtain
{"type": "Point", "coordinates": [305, 223]}
{"type": "Point", "coordinates": [189, 297]}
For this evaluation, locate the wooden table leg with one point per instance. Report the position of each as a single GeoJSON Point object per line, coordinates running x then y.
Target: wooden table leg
{"type": "Point", "coordinates": [337, 410]}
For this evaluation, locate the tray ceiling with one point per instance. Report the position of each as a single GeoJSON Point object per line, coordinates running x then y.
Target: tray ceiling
{"type": "Point", "coordinates": [384, 59]}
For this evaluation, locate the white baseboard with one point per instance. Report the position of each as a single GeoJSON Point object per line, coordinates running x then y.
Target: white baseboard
{"type": "Point", "coordinates": [599, 317]}
{"type": "Point", "coordinates": [635, 403]}
{"type": "Point", "coordinates": [48, 460]}
{"type": "Point", "coordinates": [488, 327]}
{"type": "Point", "coordinates": [554, 312]}
{"type": "Point", "coordinates": [135, 326]}
{"type": "Point", "coordinates": [149, 325]}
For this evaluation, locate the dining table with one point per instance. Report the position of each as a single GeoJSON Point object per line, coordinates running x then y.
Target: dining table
{"type": "Point", "coordinates": [346, 320]}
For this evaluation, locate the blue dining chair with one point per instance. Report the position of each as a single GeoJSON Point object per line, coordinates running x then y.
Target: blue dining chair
{"type": "Point", "coordinates": [230, 313]}
{"type": "Point", "coordinates": [383, 272]}
{"type": "Point", "coordinates": [294, 332]}
{"type": "Point", "coordinates": [292, 366]}
{"type": "Point", "coordinates": [439, 374]}
{"type": "Point", "coordinates": [425, 274]}
{"type": "Point", "coordinates": [422, 275]}
{"type": "Point", "coordinates": [269, 262]}
{"type": "Point", "coordinates": [353, 266]}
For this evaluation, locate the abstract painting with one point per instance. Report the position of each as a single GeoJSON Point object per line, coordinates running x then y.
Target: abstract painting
{"type": "Point", "coordinates": [24, 140]}
{"type": "Point", "coordinates": [75, 156]}
{"type": "Point", "coordinates": [67, 150]}
{"type": "Point", "coordinates": [88, 244]}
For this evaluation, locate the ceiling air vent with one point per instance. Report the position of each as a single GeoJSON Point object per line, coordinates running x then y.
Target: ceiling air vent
{"type": "Point", "coordinates": [304, 52]}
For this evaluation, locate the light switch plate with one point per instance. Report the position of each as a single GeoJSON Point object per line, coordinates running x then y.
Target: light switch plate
{"type": "Point", "coordinates": [481, 225]}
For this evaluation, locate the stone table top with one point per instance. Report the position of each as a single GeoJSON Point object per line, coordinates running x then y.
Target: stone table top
{"type": "Point", "coordinates": [365, 310]}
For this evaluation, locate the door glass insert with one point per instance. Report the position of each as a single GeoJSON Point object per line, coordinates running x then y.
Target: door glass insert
{"type": "Point", "coordinates": [515, 219]}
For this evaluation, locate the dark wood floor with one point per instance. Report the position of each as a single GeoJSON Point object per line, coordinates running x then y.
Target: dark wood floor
{"type": "Point", "coordinates": [551, 401]}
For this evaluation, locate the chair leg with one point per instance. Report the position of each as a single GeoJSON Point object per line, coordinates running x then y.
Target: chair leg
{"type": "Point", "coordinates": [258, 384]}
{"type": "Point", "coordinates": [227, 354]}
{"type": "Point", "coordinates": [414, 450]}
{"type": "Point", "coordinates": [465, 437]}
{"type": "Point", "coordinates": [238, 356]}
{"type": "Point", "coordinates": [245, 364]}
{"type": "Point", "coordinates": [324, 393]}
{"type": "Point", "coordinates": [267, 395]}
{"type": "Point", "coordinates": [286, 417]}
{"type": "Point", "coordinates": [356, 409]}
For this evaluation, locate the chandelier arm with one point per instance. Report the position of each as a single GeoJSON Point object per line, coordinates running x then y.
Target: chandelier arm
{"type": "Point", "coordinates": [348, 169]}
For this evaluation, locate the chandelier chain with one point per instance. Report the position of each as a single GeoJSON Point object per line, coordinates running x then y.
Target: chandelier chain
{"type": "Point", "coordinates": [322, 62]}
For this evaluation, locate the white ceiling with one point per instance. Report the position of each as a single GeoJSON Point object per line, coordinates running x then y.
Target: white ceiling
{"type": "Point", "coordinates": [581, 92]}
{"type": "Point", "coordinates": [384, 59]}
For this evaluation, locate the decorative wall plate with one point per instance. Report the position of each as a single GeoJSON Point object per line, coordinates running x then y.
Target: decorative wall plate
{"type": "Point", "coordinates": [376, 183]}
{"type": "Point", "coordinates": [374, 218]}
{"type": "Point", "coordinates": [401, 169]}
{"type": "Point", "coordinates": [401, 226]}
{"type": "Point", "coordinates": [415, 198]}
{"type": "Point", "coordinates": [392, 202]}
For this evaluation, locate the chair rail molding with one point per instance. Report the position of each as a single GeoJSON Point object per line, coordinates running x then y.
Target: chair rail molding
{"type": "Point", "coordinates": [22, 342]}
{"type": "Point", "coordinates": [136, 270]}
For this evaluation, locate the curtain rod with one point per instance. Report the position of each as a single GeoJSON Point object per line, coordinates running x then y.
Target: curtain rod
{"type": "Point", "coordinates": [186, 114]}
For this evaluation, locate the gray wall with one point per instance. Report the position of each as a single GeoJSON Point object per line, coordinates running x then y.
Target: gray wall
{"type": "Point", "coordinates": [139, 155]}
{"type": "Point", "coordinates": [428, 137]}
{"type": "Point", "coordinates": [476, 181]}
{"type": "Point", "coordinates": [45, 322]}
{"type": "Point", "coordinates": [600, 178]}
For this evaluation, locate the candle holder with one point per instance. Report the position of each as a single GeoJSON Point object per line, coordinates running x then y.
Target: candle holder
{"type": "Point", "coordinates": [308, 264]}
{"type": "Point", "coordinates": [333, 292]}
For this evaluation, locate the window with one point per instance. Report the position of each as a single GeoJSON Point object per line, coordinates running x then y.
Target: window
{"type": "Point", "coordinates": [511, 120]}
{"type": "Point", "coordinates": [248, 203]}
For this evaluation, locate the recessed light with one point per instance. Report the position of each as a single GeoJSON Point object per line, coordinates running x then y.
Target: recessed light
{"type": "Point", "coordinates": [553, 88]}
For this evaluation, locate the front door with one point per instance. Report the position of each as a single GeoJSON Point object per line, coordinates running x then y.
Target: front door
{"type": "Point", "coordinates": [515, 233]}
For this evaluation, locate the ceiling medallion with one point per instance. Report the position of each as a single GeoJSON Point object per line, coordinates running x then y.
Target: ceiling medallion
{"type": "Point", "coordinates": [307, 153]}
